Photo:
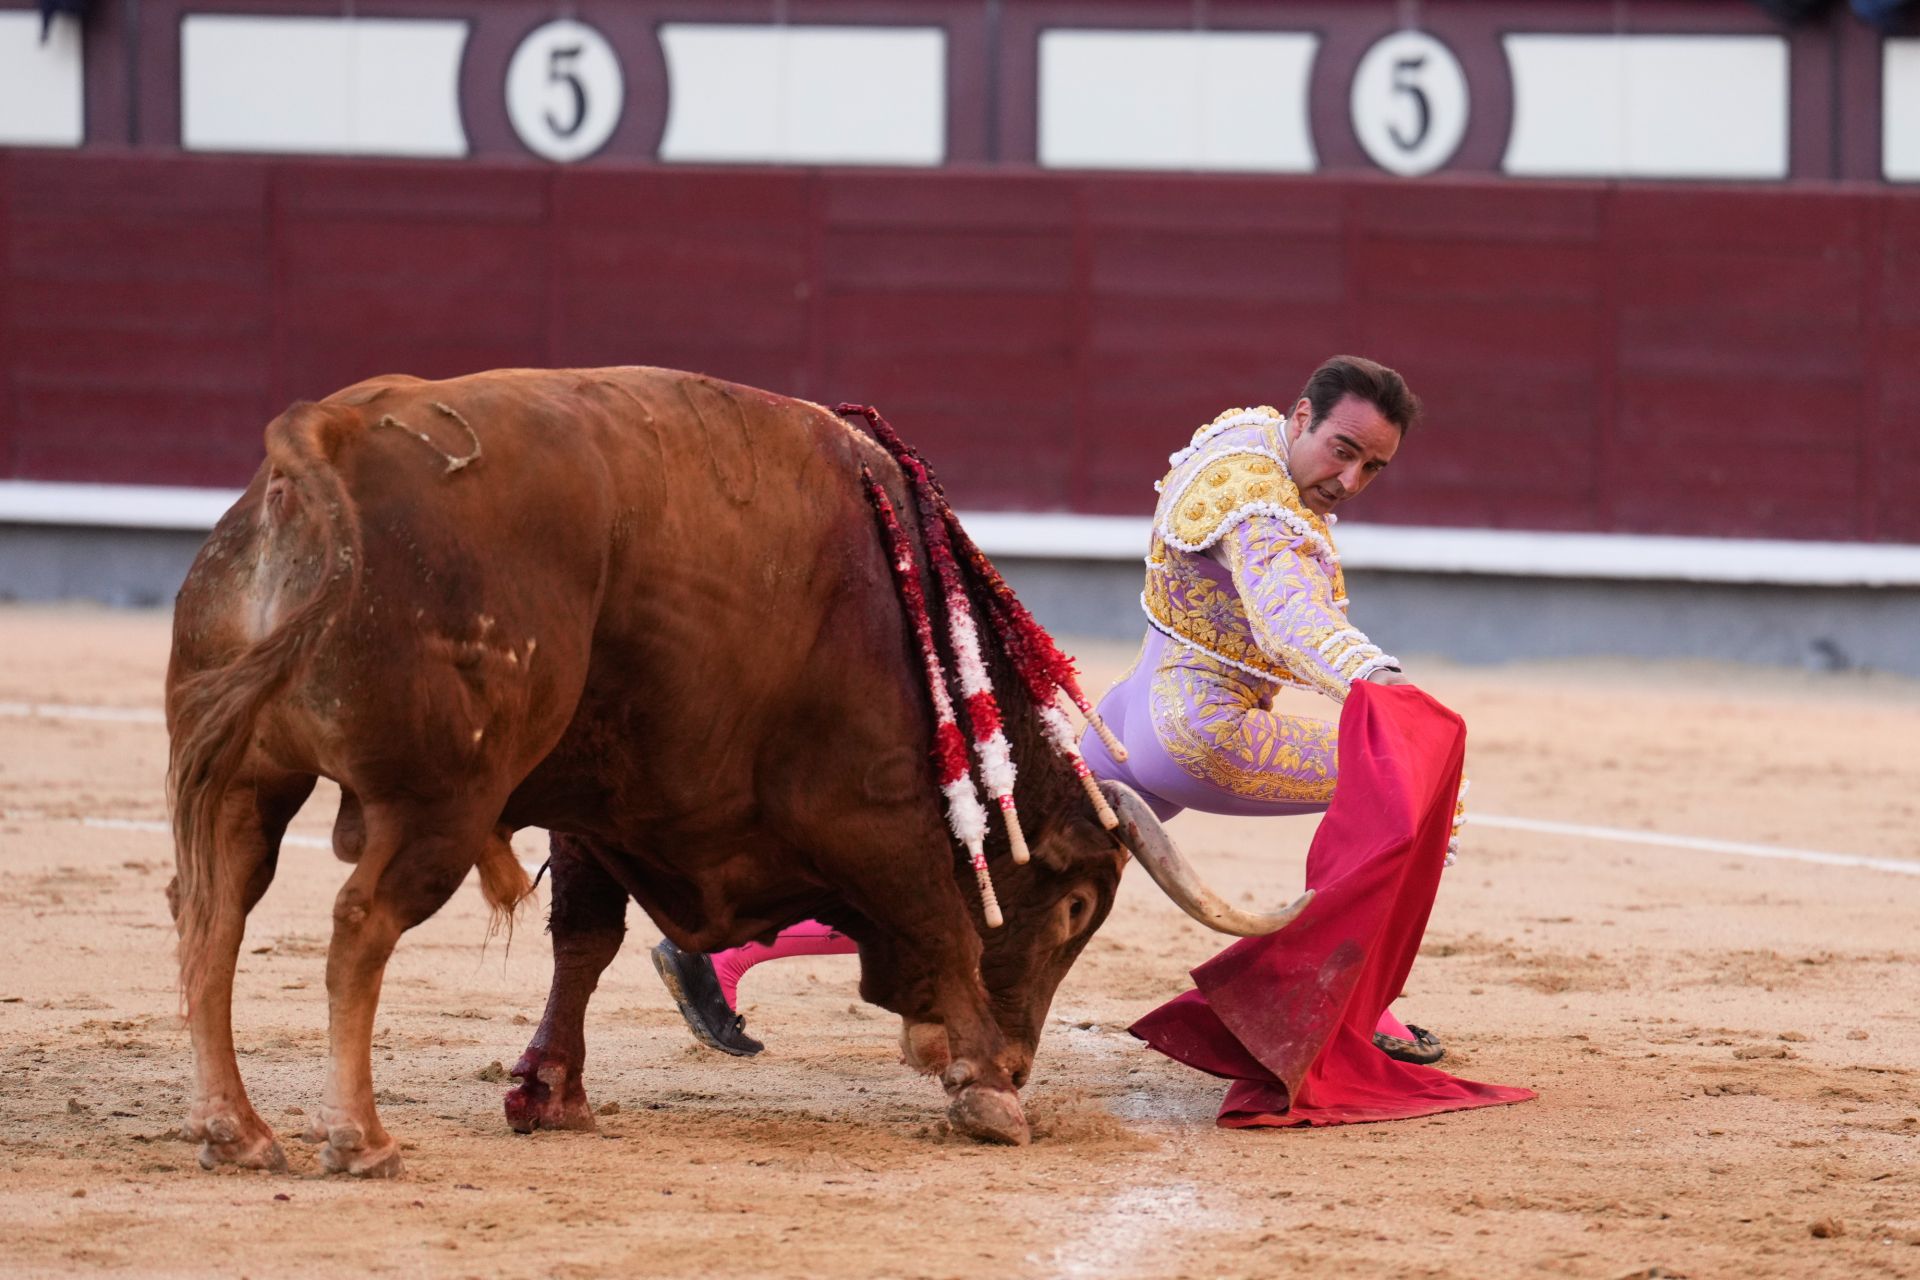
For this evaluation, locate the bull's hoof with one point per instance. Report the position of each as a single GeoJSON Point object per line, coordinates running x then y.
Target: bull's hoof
{"type": "Point", "coordinates": [550, 1096]}
{"type": "Point", "coordinates": [989, 1115]}
{"type": "Point", "coordinates": [229, 1138]}
{"type": "Point", "coordinates": [348, 1152]}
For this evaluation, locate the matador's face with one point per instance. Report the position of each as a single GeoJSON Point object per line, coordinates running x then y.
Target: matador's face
{"type": "Point", "coordinates": [1337, 457]}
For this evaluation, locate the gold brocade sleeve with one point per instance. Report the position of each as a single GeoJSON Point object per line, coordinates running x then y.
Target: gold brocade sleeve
{"type": "Point", "coordinates": [1290, 605]}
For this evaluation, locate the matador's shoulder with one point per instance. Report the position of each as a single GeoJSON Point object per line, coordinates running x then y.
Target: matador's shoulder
{"type": "Point", "coordinates": [1230, 472]}
{"type": "Point", "coordinates": [1222, 491]}
{"type": "Point", "coordinates": [1228, 426]}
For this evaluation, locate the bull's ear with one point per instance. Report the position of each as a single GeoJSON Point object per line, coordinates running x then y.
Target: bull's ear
{"type": "Point", "coordinates": [1143, 835]}
{"type": "Point", "coordinates": [1072, 839]}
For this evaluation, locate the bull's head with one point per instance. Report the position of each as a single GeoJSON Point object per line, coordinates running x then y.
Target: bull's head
{"type": "Point", "coordinates": [1054, 904]}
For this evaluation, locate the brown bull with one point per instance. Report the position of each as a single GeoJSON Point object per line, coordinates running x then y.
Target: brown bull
{"type": "Point", "coordinates": [650, 612]}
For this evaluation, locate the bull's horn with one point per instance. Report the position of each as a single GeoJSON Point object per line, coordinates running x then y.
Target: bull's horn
{"type": "Point", "coordinates": [1148, 841]}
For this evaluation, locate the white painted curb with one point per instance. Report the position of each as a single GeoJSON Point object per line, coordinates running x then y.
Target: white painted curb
{"type": "Point", "coordinates": [1068, 536]}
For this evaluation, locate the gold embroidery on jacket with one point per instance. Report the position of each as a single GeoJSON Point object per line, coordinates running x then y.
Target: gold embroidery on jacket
{"type": "Point", "coordinates": [1223, 492]}
{"type": "Point", "coordinates": [1290, 609]}
{"type": "Point", "coordinates": [1212, 724]}
{"type": "Point", "coordinates": [1209, 616]}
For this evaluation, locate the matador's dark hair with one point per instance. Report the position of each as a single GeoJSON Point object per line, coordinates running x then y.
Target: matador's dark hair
{"type": "Point", "coordinates": [1379, 386]}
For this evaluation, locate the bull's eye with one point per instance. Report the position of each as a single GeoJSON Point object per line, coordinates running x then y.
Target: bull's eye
{"type": "Point", "coordinates": [1071, 915]}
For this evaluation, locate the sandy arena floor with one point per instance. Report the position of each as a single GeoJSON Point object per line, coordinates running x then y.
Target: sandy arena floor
{"type": "Point", "coordinates": [1725, 1045]}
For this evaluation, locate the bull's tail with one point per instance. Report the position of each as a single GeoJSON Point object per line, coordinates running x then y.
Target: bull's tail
{"type": "Point", "coordinates": [212, 714]}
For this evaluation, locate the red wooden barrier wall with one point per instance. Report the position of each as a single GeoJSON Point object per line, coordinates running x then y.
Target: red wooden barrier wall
{"type": "Point", "coordinates": [1700, 360]}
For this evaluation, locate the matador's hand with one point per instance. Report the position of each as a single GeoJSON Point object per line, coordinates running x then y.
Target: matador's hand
{"type": "Point", "coordinates": [1459, 821]}
{"type": "Point", "coordinates": [1387, 675]}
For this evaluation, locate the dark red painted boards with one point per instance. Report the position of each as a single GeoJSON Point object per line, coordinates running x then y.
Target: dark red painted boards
{"type": "Point", "coordinates": [1699, 360]}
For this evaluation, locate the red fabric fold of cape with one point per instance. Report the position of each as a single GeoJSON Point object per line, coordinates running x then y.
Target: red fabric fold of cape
{"type": "Point", "coordinates": [1289, 1018]}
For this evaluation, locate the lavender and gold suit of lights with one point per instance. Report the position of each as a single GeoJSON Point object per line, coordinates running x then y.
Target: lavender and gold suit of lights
{"type": "Point", "coordinates": [1244, 596]}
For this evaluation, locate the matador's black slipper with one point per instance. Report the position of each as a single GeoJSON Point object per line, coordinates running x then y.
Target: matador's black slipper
{"type": "Point", "coordinates": [1423, 1050]}
{"type": "Point", "coordinates": [695, 987]}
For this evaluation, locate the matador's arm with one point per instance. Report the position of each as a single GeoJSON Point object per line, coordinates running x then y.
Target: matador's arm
{"type": "Point", "coordinates": [1290, 605]}
{"type": "Point", "coordinates": [1289, 602]}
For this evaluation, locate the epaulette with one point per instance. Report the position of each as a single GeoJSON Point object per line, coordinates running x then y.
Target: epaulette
{"type": "Point", "coordinates": [1223, 490]}
{"type": "Point", "coordinates": [1260, 415]}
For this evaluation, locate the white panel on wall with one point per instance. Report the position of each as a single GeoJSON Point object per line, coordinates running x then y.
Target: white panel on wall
{"type": "Point", "coordinates": [339, 86]}
{"type": "Point", "coordinates": [1218, 100]}
{"type": "Point", "coordinates": [1648, 106]}
{"type": "Point", "coordinates": [40, 84]}
{"type": "Point", "coordinates": [1900, 110]}
{"type": "Point", "coordinates": [805, 95]}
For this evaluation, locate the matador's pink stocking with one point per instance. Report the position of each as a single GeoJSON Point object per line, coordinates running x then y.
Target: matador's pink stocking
{"type": "Point", "coordinates": [808, 938]}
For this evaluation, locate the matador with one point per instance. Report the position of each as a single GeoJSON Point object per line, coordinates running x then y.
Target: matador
{"type": "Point", "coordinates": [1244, 596]}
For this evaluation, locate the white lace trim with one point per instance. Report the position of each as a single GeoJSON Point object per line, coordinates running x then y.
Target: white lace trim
{"type": "Point", "coordinates": [1268, 676]}
{"type": "Point", "coordinates": [1206, 434]}
{"type": "Point", "coordinates": [1211, 433]}
{"type": "Point", "coordinates": [1321, 549]}
{"type": "Point", "coordinates": [1372, 665]}
{"type": "Point", "coordinates": [1316, 546]}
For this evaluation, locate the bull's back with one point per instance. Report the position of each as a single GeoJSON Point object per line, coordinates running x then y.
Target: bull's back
{"type": "Point", "coordinates": [668, 576]}
{"type": "Point", "coordinates": [678, 504]}
{"type": "Point", "coordinates": [749, 638]}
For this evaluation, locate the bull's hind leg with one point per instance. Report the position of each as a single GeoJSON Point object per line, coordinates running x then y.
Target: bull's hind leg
{"type": "Point", "coordinates": [415, 857]}
{"type": "Point", "coordinates": [588, 923]}
{"type": "Point", "coordinates": [252, 819]}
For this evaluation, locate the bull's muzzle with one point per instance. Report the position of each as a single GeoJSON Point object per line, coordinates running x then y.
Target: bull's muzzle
{"type": "Point", "coordinates": [1149, 843]}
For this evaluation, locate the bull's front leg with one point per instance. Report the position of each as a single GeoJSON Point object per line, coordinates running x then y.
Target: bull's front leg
{"type": "Point", "coordinates": [948, 1029]}
{"type": "Point", "coordinates": [588, 923]}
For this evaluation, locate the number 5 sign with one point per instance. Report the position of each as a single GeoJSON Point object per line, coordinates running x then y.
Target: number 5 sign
{"type": "Point", "coordinates": [564, 90]}
{"type": "Point", "coordinates": [1409, 103]}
